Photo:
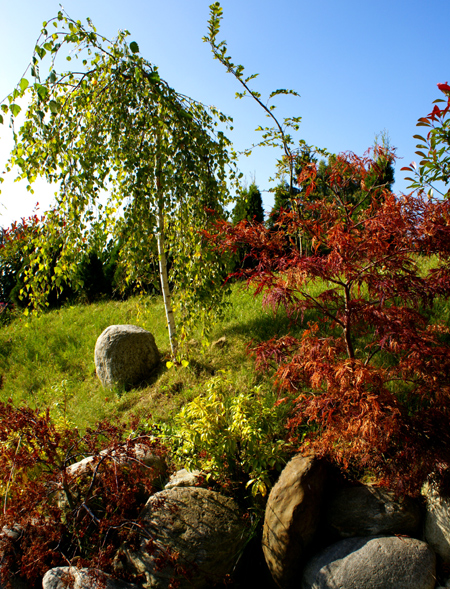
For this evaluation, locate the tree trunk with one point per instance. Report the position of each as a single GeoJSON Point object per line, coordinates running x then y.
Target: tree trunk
{"type": "Point", "coordinates": [165, 282]}
{"type": "Point", "coordinates": [162, 251]}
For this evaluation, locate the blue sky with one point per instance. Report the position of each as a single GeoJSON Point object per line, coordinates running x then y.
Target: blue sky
{"type": "Point", "coordinates": [361, 67]}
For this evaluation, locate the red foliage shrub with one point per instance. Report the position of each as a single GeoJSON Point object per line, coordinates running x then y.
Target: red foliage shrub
{"type": "Point", "coordinates": [64, 515]}
{"type": "Point", "coordinates": [370, 375]}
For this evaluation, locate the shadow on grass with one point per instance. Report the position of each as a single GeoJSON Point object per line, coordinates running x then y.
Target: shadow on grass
{"type": "Point", "coordinates": [268, 325]}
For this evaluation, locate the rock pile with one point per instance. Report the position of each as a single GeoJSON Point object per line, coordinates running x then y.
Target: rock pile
{"type": "Point", "coordinates": [316, 535]}
{"type": "Point", "coordinates": [319, 537]}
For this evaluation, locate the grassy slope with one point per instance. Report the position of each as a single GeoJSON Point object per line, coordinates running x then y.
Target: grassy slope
{"type": "Point", "coordinates": [49, 360]}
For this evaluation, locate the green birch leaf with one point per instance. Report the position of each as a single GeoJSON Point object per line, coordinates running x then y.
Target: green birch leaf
{"type": "Point", "coordinates": [15, 109]}
{"type": "Point", "coordinates": [23, 84]}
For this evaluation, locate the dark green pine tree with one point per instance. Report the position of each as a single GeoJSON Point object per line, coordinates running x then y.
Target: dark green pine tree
{"type": "Point", "coordinates": [282, 201]}
{"type": "Point", "coordinates": [249, 206]}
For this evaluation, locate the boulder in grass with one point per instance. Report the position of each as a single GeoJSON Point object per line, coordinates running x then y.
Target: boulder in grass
{"type": "Point", "coordinates": [292, 517]}
{"type": "Point", "coordinates": [387, 562]}
{"type": "Point", "coordinates": [194, 537]}
{"type": "Point", "coordinates": [125, 356]}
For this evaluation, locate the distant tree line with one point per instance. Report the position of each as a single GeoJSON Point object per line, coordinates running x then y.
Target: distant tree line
{"type": "Point", "coordinates": [100, 273]}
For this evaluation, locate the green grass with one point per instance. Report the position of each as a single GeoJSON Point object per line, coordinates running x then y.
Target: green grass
{"type": "Point", "coordinates": [48, 360]}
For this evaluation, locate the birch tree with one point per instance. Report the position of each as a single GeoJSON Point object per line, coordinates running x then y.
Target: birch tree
{"type": "Point", "coordinates": [111, 125]}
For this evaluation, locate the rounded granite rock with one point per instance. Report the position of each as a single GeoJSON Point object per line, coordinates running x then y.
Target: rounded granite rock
{"type": "Point", "coordinates": [386, 562]}
{"type": "Point", "coordinates": [125, 355]}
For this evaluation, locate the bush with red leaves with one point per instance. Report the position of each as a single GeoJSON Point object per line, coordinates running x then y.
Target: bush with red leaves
{"type": "Point", "coordinates": [54, 515]}
{"type": "Point", "coordinates": [370, 375]}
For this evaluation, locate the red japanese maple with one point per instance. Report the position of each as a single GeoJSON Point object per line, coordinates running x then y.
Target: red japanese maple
{"type": "Point", "coordinates": [369, 378]}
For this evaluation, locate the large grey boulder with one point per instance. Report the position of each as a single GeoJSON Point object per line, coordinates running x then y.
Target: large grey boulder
{"type": "Point", "coordinates": [292, 518]}
{"type": "Point", "coordinates": [125, 355]}
{"type": "Point", "coordinates": [437, 521]}
{"type": "Point", "coordinates": [188, 529]}
{"type": "Point", "coordinates": [371, 511]}
{"type": "Point", "coordinates": [387, 562]}
{"type": "Point", "coordinates": [64, 577]}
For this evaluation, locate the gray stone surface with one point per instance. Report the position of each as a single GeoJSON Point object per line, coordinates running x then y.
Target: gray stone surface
{"type": "Point", "coordinates": [125, 355]}
{"type": "Point", "coordinates": [203, 528]}
{"type": "Point", "coordinates": [185, 478]}
{"type": "Point", "coordinates": [386, 562]}
{"type": "Point", "coordinates": [292, 517]}
{"type": "Point", "coordinates": [64, 577]}
{"type": "Point", "coordinates": [371, 511]}
{"type": "Point", "coordinates": [437, 522]}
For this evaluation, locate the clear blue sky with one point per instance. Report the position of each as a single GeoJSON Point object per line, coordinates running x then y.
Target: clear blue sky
{"type": "Point", "coordinates": [361, 67]}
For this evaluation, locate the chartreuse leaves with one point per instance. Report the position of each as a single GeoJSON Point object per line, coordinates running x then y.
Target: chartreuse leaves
{"type": "Point", "coordinates": [112, 124]}
{"type": "Point", "coordinates": [23, 84]}
{"type": "Point", "coordinates": [15, 109]}
{"type": "Point", "coordinates": [54, 106]}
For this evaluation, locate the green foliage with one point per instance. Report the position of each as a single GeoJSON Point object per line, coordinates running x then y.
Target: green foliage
{"type": "Point", "coordinates": [249, 206]}
{"type": "Point", "coordinates": [14, 245]}
{"type": "Point", "coordinates": [233, 436]}
{"type": "Point", "coordinates": [112, 124]}
{"type": "Point", "coordinates": [433, 149]}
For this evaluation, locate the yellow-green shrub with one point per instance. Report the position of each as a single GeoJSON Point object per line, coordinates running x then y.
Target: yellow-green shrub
{"type": "Point", "coordinates": [234, 436]}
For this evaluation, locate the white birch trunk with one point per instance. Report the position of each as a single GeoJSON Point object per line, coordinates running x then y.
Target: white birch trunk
{"type": "Point", "coordinates": [165, 282]}
{"type": "Point", "coordinates": [162, 250]}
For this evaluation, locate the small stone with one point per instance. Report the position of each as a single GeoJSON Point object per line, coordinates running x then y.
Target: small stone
{"type": "Point", "coordinates": [185, 478]}
{"type": "Point", "coordinates": [64, 577]}
{"type": "Point", "coordinates": [219, 343]}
